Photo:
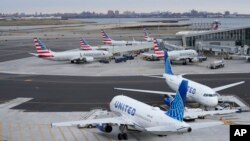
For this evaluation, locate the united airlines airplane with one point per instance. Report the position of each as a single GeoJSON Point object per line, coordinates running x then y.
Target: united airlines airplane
{"type": "Point", "coordinates": [72, 56]}
{"type": "Point", "coordinates": [142, 117]}
{"type": "Point", "coordinates": [196, 92]}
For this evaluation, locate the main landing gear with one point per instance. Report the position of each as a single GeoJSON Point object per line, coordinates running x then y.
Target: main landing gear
{"type": "Point", "coordinates": [122, 135]}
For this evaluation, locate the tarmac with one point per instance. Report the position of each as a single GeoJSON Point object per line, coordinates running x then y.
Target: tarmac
{"type": "Point", "coordinates": [36, 92]}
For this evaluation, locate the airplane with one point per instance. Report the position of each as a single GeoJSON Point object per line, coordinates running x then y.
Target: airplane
{"type": "Point", "coordinates": [113, 49]}
{"type": "Point", "coordinates": [131, 113]}
{"type": "Point", "coordinates": [214, 26]}
{"type": "Point", "coordinates": [197, 92]}
{"type": "Point", "coordinates": [75, 56]}
{"type": "Point", "coordinates": [108, 41]}
{"type": "Point", "coordinates": [146, 36]}
{"type": "Point", "coordinates": [175, 55]}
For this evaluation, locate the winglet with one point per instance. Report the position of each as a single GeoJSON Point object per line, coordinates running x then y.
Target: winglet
{"type": "Point", "coordinates": [177, 107]}
{"type": "Point", "coordinates": [168, 68]}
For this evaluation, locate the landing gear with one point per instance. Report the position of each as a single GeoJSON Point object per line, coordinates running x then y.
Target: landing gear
{"type": "Point", "coordinates": [122, 135]}
{"type": "Point", "coordinates": [184, 62]}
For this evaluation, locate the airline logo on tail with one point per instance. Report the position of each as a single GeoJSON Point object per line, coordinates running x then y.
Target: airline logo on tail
{"type": "Point", "coordinates": [84, 45]}
{"type": "Point", "coordinates": [41, 49]}
{"type": "Point", "coordinates": [176, 110]}
{"type": "Point", "coordinates": [157, 48]}
{"type": "Point", "coordinates": [215, 25]}
{"type": "Point", "coordinates": [106, 38]}
{"type": "Point", "coordinates": [146, 35]}
{"type": "Point", "coordinates": [168, 68]}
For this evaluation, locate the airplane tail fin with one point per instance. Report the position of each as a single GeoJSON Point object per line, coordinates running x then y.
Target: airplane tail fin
{"type": "Point", "coordinates": [146, 36]}
{"type": "Point", "coordinates": [156, 46]}
{"type": "Point", "coordinates": [41, 49]}
{"type": "Point", "coordinates": [84, 45]}
{"type": "Point", "coordinates": [106, 38]}
{"type": "Point", "coordinates": [177, 107]}
{"type": "Point", "coordinates": [168, 68]}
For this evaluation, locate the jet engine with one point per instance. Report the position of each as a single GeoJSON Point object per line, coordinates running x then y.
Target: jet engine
{"type": "Point", "coordinates": [105, 128]}
{"type": "Point", "coordinates": [168, 100]}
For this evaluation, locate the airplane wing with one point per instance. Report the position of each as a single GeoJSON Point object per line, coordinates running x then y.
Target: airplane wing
{"type": "Point", "coordinates": [227, 86]}
{"type": "Point", "coordinates": [34, 54]}
{"type": "Point", "coordinates": [146, 91]}
{"type": "Point", "coordinates": [200, 125]}
{"type": "Point", "coordinates": [83, 58]}
{"type": "Point", "coordinates": [200, 113]}
{"type": "Point", "coordinates": [153, 76]}
{"type": "Point", "coordinates": [148, 55]}
{"type": "Point", "coordinates": [112, 121]}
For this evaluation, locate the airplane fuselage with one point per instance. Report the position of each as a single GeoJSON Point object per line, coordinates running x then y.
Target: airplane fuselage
{"type": "Point", "coordinates": [145, 116]}
{"type": "Point", "coordinates": [69, 55]}
{"type": "Point", "coordinates": [196, 92]}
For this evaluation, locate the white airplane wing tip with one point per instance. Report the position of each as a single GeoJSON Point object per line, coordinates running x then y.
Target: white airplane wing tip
{"type": "Point", "coordinates": [228, 86]}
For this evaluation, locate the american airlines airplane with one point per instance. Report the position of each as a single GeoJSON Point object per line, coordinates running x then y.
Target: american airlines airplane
{"type": "Point", "coordinates": [108, 41]}
{"type": "Point", "coordinates": [76, 56]}
{"type": "Point", "coordinates": [196, 92]}
{"type": "Point", "coordinates": [114, 49]}
{"type": "Point", "coordinates": [142, 117]}
{"type": "Point", "coordinates": [214, 26]}
{"type": "Point", "coordinates": [147, 37]}
{"type": "Point", "coordinates": [175, 55]}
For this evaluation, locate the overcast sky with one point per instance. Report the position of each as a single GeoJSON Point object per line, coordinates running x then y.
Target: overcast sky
{"type": "Point", "coordinates": [66, 6]}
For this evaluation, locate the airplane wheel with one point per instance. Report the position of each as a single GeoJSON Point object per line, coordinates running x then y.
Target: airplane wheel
{"type": "Point", "coordinates": [184, 63]}
{"type": "Point", "coordinates": [125, 136]}
{"type": "Point", "coordinates": [119, 136]}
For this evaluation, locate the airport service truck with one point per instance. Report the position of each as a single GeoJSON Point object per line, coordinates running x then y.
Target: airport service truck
{"type": "Point", "coordinates": [217, 64]}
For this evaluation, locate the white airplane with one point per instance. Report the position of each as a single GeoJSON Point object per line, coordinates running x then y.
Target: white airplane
{"type": "Point", "coordinates": [142, 117]}
{"type": "Point", "coordinates": [175, 55]}
{"type": "Point", "coordinates": [114, 49]}
{"type": "Point", "coordinates": [75, 56]}
{"type": "Point", "coordinates": [214, 26]}
{"type": "Point", "coordinates": [147, 37]}
{"type": "Point", "coordinates": [196, 92]}
{"type": "Point", "coordinates": [108, 41]}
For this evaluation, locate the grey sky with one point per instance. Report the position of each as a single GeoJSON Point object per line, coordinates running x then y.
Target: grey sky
{"type": "Point", "coordinates": [52, 6]}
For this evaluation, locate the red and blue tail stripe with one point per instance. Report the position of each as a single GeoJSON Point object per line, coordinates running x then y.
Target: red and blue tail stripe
{"type": "Point", "coordinates": [41, 49]}
{"type": "Point", "coordinates": [84, 45]}
{"type": "Point", "coordinates": [106, 38]}
{"type": "Point", "coordinates": [157, 48]}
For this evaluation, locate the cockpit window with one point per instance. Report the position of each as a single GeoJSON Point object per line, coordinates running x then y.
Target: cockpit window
{"type": "Point", "coordinates": [210, 95]}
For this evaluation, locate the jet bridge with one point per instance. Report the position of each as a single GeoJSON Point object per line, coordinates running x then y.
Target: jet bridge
{"type": "Point", "coordinates": [234, 101]}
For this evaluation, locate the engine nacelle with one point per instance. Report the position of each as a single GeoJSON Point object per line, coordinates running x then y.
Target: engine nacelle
{"type": "Point", "coordinates": [184, 130]}
{"type": "Point", "coordinates": [105, 128]}
{"type": "Point", "coordinates": [168, 100]}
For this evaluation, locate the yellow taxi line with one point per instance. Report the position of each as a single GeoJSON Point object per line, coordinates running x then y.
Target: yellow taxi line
{"type": "Point", "coordinates": [60, 130]}
{"type": "Point", "coordinates": [72, 134]}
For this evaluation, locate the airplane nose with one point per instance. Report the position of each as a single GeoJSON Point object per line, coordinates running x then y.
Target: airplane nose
{"type": "Point", "coordinates": [216, 100]}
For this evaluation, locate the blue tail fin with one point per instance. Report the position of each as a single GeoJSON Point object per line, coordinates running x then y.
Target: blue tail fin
{"type": "Point", "coordinates": [177, 107]}
{"type": "Point", "coordinates": [168, 68]}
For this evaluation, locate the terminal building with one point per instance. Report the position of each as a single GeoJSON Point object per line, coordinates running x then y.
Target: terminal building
{"type": "Point", "coordinates": [225, 40]}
